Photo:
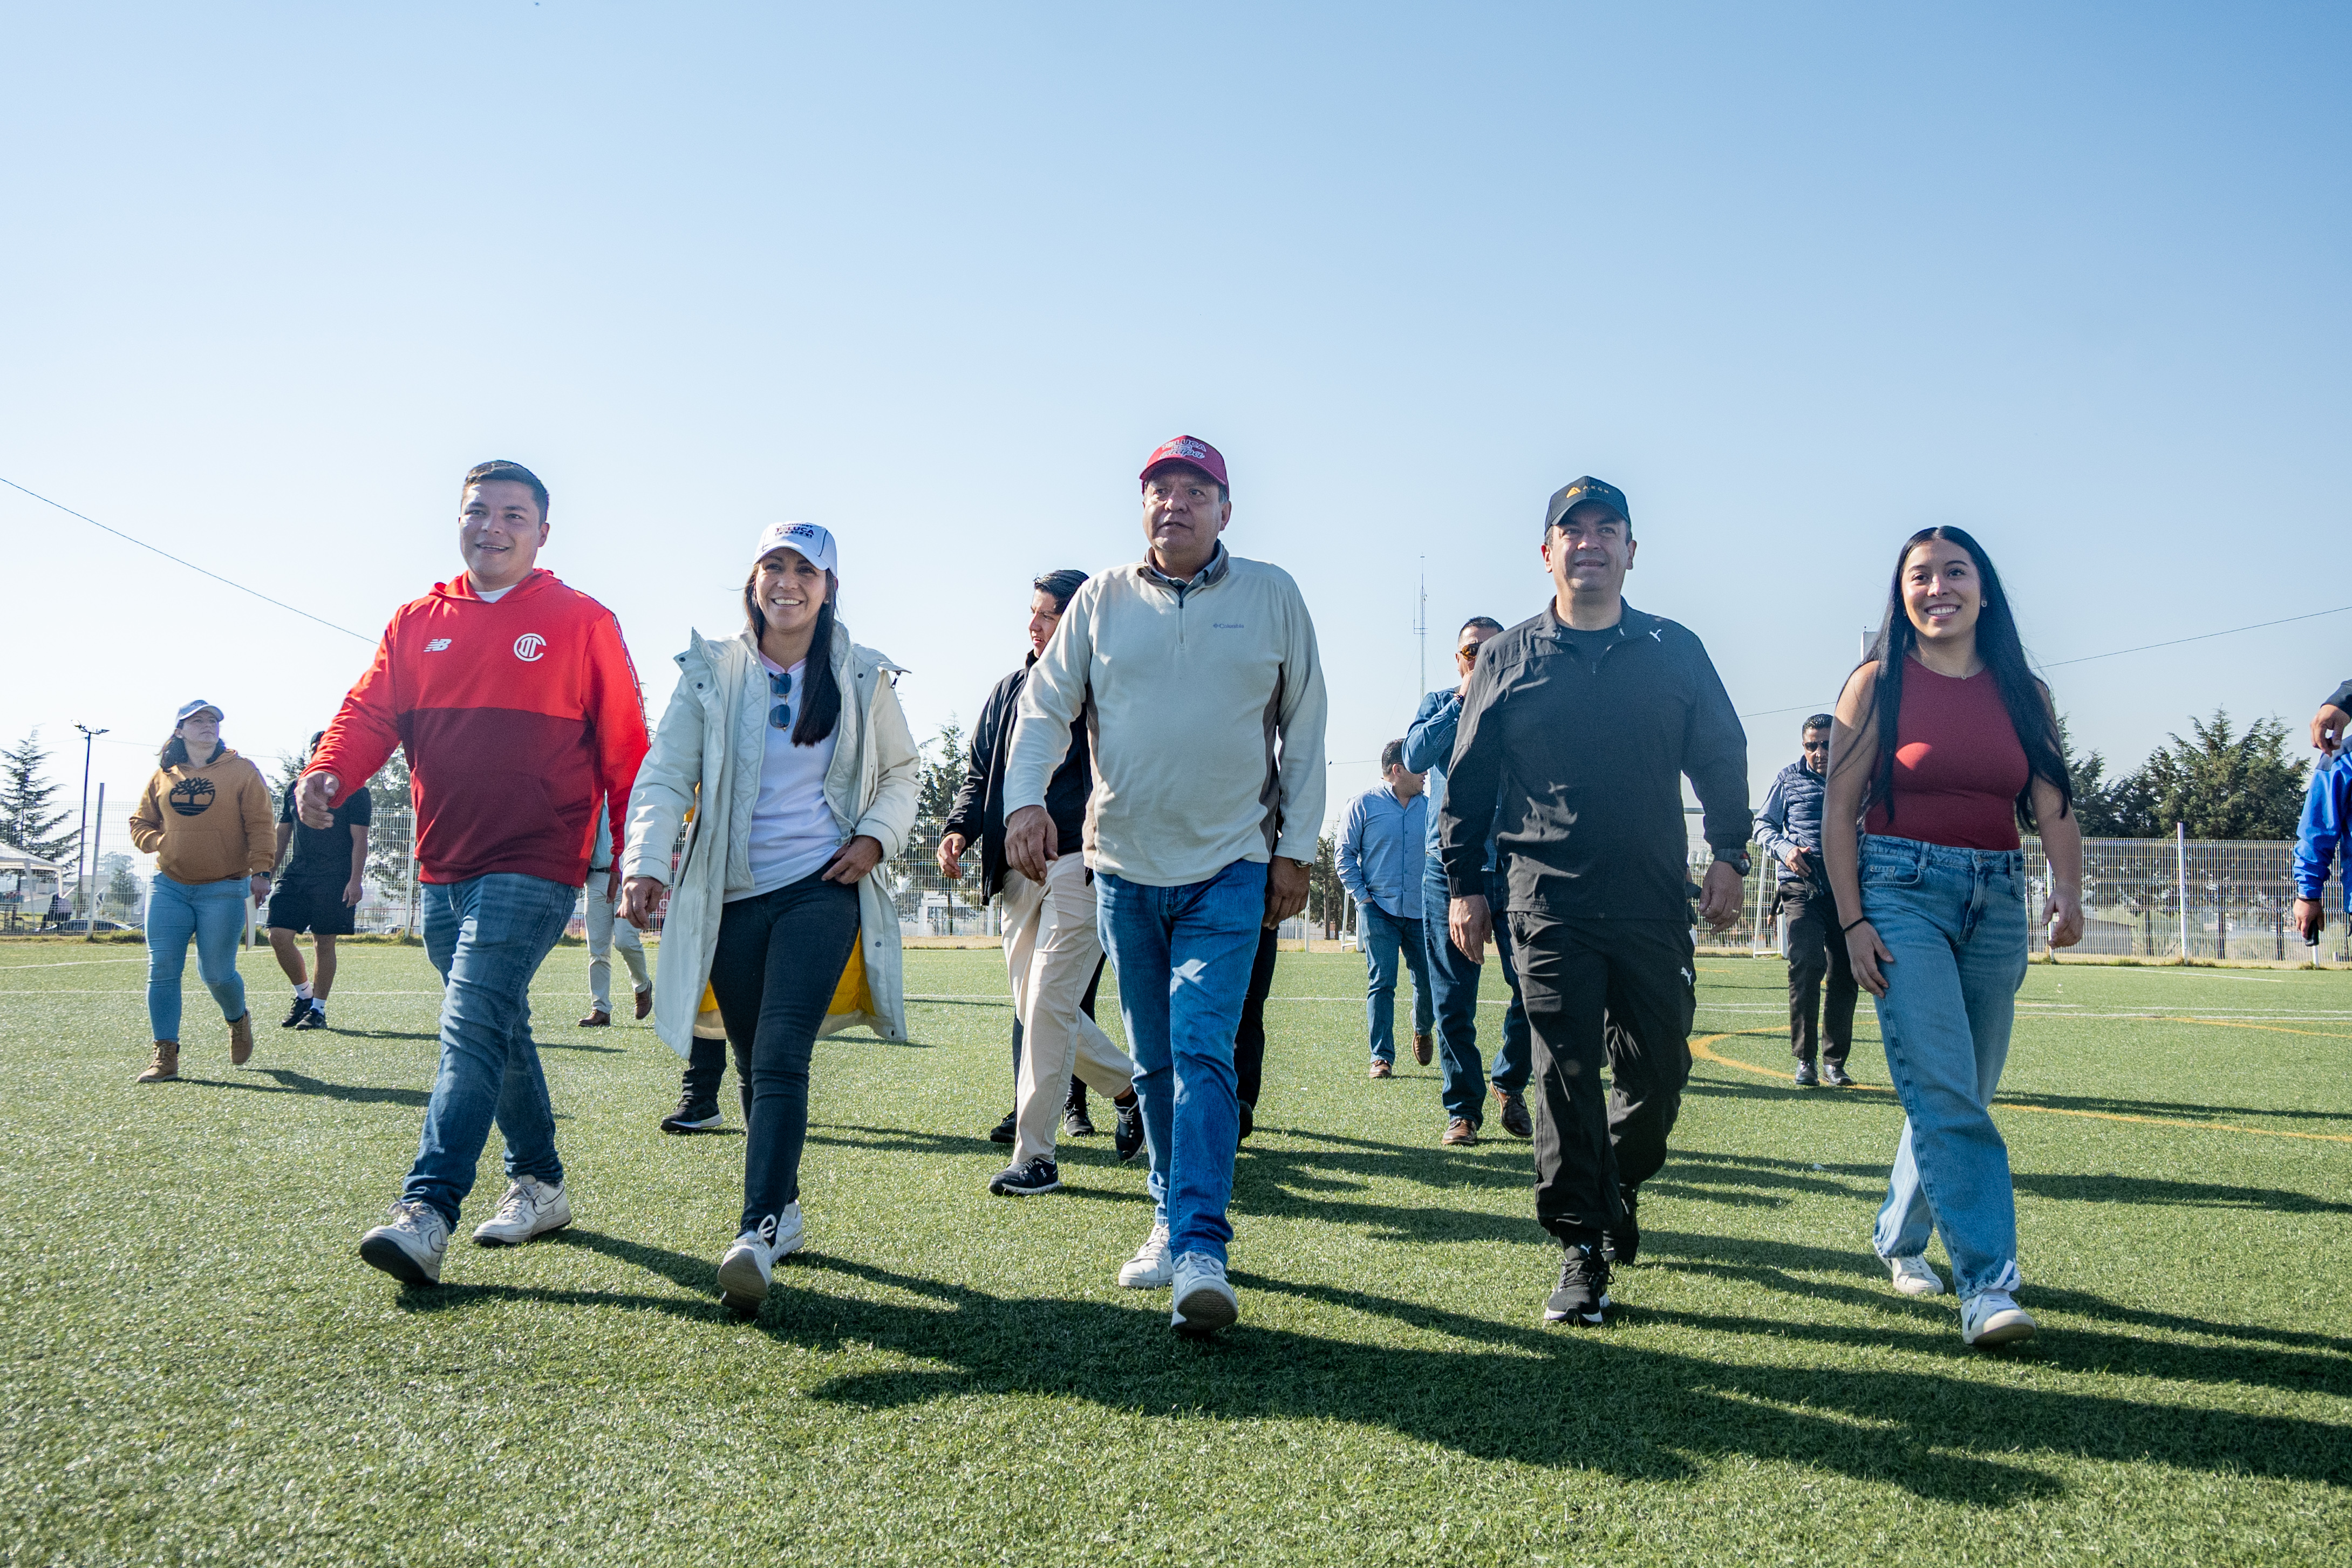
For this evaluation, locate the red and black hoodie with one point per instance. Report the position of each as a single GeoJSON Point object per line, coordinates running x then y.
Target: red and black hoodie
{"type": "Point", "coordinates": [518, 717]}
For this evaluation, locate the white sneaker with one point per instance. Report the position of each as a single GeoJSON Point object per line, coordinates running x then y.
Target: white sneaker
{"type": "Point", "coordinates": [1204, 1300]}
{"type": "Point", "coordinates": [531, 1207]}
{"type": "Point", "coordinates": [1994, 1317]}
{"type": "Point", "coordinates": [1151, 1268]}
{"type": "Point", "coordinates": [745, 1273]}
{"type": "Point", "coordinates": [410, 1243]}
{"type": "Point", "coordinates": [1913, 1278]}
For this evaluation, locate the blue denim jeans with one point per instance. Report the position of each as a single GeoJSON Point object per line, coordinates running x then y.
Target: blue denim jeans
{"type": "Point", "coordinates": [1384, 937]}
{"type": "Point", "coordinates": [486, 936]}
{"type": "Point", "coordinates": [213, 914]}
{"type": "Point", "coordinates": [1454, 991]}
{"type": "Point", "coordinates": [1955, 921]}
{"type": "Point", "coordinates": [1184, 957]}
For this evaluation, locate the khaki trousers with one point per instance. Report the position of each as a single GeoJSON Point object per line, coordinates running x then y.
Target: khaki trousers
{"type": "Point", "coordinates": [1051, 948]}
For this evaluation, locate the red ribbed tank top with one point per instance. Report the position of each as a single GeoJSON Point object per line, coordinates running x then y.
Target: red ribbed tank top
{"type": "Point", "coordinates": [1958, 764]}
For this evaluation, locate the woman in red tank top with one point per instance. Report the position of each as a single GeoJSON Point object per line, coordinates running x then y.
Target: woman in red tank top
{"type": "Point", "coordinates": [1945, 745]}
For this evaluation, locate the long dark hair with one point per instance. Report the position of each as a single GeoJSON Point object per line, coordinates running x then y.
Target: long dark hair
{"type": "Point", "coordinates": [175, 752]}
{"type": "Point", "coordinates": [2004, 655]}
{"type": "Point", "coordinates": [820, 699]}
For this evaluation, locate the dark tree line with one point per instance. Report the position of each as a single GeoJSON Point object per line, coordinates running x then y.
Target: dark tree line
{"type": "Point", "coordinates": [2222, 784]}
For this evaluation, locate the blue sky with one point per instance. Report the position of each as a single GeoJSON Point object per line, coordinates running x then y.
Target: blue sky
{"type": "Point", "coordinates": [1799, 279]}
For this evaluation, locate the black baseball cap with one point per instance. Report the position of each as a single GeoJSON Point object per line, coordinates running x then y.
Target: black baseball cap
{"type": "Point", "coordinates": [1578, 491]}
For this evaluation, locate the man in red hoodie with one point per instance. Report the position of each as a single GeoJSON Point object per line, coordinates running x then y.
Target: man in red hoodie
{"type": "Point", "coordinates": [519, 711]}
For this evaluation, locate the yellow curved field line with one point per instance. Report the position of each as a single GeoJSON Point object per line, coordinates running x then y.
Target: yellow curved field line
{"type": "Point", "coordinates": [1699, 1052]}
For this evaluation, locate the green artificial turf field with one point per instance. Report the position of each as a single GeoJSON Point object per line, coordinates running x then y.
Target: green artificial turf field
{"type": "Point", "coordinates": [197, 1368]}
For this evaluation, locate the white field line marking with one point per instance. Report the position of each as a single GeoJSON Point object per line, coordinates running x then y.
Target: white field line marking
{"type": "Point", "coordinates": [139, 991]}
{"type": "Point", "coordinates": [70, 963]}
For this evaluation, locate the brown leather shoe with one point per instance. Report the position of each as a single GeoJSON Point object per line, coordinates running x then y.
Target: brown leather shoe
{"type": "Point", "coordinates": [1459, 1130]}
{"type": "Point", "coordinates": [599, 1019]}
{"type": "Point", "coordinates": [1380, 1068]}
{"type": "Point", "coordinates": [240, 1039]}
{"type": "Point", "coordinates": [166, 1065]}
{"type": "Point", "coordinates": [644, 1002]}
{"type": "Point", "coordinates": [1421, 1049]}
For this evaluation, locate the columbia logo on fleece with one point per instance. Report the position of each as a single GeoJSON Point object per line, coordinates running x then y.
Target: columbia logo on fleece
{"type": "Point", "coordinates": [1225, 625]}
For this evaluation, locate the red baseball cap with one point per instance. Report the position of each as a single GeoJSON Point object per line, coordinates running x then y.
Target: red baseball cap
{"type": "Point", "coordinates": [1189, 449]}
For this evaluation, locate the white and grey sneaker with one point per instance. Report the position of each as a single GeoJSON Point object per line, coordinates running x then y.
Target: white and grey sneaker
{"type": "Point", "coordinates": [410, 1243]}
{"type": "Point", "coordinates": [1913, 1278]}
{"type": "Point", "coordinates": [1204, 1298]}
{"type": "Point", "coordinates": [1151, 1268]}
{"type": "Point", "coordinates": [531, 1207]}
{"type": "Point", "coordinates": [1994, 1317]}
{"type": "Point", "coordinates": [745, 1273]}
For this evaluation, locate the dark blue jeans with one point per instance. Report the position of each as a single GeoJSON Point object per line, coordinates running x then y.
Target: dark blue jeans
{"type": "Point", "coordinates": [486, 936]}
{"type": "Point", "coordinates": [1384, 937]}
{"type": "Point", "coordinates": [778, 962]}
{"type": "Point", "coordinates": [1453, 983]}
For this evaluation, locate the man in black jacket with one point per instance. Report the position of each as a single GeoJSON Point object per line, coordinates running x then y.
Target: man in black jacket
{"type": "Point", "coordinates": [1575, 735]}
{"type": "Point", "coordinates": [1051, 949]}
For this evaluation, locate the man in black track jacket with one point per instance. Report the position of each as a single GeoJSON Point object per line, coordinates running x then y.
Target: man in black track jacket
{"type": "Point", "coordinates": [1575, 735]}
{"type": "Point", "coordinates": [1051, 951]}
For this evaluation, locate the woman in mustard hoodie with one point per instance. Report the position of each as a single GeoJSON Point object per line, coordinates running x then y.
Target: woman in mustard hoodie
{"type": "Point", "coordinates": [206, 819]}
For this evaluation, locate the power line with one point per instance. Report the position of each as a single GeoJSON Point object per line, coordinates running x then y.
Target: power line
{"type": "Point", "coordinates": [2118, 653]}
{"type": "Point", "coordinates": [176, 560]}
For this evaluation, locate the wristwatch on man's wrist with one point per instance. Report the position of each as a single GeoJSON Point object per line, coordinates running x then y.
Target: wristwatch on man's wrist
{"type": "Point", "coordinates": [1739, 862]}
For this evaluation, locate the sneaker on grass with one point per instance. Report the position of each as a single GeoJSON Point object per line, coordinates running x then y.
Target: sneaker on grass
{"type": "Point", "coordinates": [1003, 1130]}
{"type": "Point", "coordinates": [531, 1207]}
{"type": "Point", "coordinates": [1151, 1268]}
{"type": "Point", "coordinates": [299, 1011]}
{"type": "Point", "coordinates": [1126, 1139]}
{"type": "Point", "coordinates": [1994, 1317]}
{"type": "Point", "coordinates": [1913, 1276]}
{"type": "Point", "coordinates": [693, 1116]}
{"type": "Point", "coordinates": [1583, 1298]}
{"type": "Point", "coordinates": [749, 1265]}
{"type": "Point", "coordinates": [315, 1018]}
{"type": "Point", "coordinates": [1204, 1298]}
{"type": "Point", "coordinates": [1076, 1122]}
{"type": "Point", "coordinates": [1039, 1175]}
{"type": "Point", "coordinates": [410, 1243]}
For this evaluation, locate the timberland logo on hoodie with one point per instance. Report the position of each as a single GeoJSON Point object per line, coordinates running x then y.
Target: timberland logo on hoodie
{"type": "Point", "coordinates": [192, 797]}
{"type": "Point", "coordinates": [530, 648]}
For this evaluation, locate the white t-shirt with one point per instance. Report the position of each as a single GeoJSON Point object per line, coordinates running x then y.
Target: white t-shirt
{"type": "Point", "coordinates": [792, 831]}
{"type": "Point", "coordinates": [492, 595]}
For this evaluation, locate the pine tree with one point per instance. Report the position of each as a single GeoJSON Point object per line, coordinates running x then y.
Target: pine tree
{"type": "Point", "coordinates": [26, 820]}
{"type": "Point", "coordinates": [2226, 786]}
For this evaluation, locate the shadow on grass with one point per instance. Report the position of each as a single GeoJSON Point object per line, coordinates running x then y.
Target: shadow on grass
{"type": "Point", "coordinates": [381, 1034]}
{"type": "Point", "coordinates": [576, 1045]}
{"type": "Point", "coordinates": [1721, 1177]}
{"type": "Point", "coordinates": [288, 1081]}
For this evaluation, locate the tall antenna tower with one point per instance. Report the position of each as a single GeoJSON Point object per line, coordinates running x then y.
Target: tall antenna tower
{"type": "Point", "coordinates": [1421, 628]}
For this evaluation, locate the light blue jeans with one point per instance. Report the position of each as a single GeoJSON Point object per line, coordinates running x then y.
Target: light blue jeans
{"type": "Point", "coordinates": [1955, 921]}
{"type": "Point", "coordinates": [212, 913]}
{"type": "Point", "coordinates": [486, 936]}
{"type": "Point", "coordinates": [1183, 955]}
{"type": "Point", "coordinates": [1384, 937]}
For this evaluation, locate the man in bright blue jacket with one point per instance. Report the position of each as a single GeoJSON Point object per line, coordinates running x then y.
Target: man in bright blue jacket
{"type": "Point", "coordinates": [2320, 839]}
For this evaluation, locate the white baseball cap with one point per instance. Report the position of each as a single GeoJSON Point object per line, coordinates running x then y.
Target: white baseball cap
{"type": "Point", "coordinates": [807, 538]}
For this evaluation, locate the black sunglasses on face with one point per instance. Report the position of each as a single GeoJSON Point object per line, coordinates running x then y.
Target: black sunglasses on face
{"type": "Point", "coordinates": [779, 717]}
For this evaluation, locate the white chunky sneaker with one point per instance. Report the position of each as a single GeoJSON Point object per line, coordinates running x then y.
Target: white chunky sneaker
{"type": "Point", "coordinates": [1151, 1268]}
{"type": "Point", "coordinates": [745, 1273]}
{"type": "Point", "coordinates": [409, 1245]}
{"type": "Point", "coordinates": [531, 1207]}
{"type": "Point", "coordinates": [1994, 1317]}
{"type": "Point", "coordinates": [1204, 1298]}
{"type": "Point", "coordinates": [1913, 1278]}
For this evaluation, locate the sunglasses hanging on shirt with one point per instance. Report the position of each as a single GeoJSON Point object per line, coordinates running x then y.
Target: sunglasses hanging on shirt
{"type": "Point", "coordinates": [779, 717]}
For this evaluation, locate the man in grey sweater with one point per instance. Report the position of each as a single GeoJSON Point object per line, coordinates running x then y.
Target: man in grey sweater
{"type": "Point", "coordinates": [1196, 675]}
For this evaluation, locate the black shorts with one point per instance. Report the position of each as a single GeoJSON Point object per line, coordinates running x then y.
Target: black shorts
{"type": "Point", "coordinates": [314, 906]}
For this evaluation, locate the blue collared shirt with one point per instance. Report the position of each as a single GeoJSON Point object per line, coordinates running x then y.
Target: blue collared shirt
{"type": "Point", "coordinates": [1382, 846]}
{"type": "Point", "coordinates": [1429, 748]}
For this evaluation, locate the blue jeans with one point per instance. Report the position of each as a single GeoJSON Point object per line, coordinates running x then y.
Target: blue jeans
{"type": "Point", "coordinates": [1198, 939]}
{"type": "Point", "coordinates": [1454, 989]}
{"type": "Point", "coordinates": [1955, 921]}
{"type": "Point", "coordinates": [213, 914]}
{"type": "Point", "coordinates": [1383, 936]}
{"type": "Point", "coordinates": [486, 936]}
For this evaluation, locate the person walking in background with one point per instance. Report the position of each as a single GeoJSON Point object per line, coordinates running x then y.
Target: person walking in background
{"type": "Point", "coordinates": [1197, 675]}
{"type": "Point", "coordinates": [1578, 730]}
{"type": "Point", "coordinates": [204, 816]}
{"type": "Point", "coordinates": [602, 894]}
{"type": "Point", "coordinates": [321, 877]}
{"type": "Point", "coordinates": [1948, 738]}
{"type": "Point", "coordinates": [790, 737]}
{"type": "Point", "coordinates": [513, 696]}
{"type": "Point", "coordinates": [1790, 829]}
{"type": "Point", "coordinates": [1052, 950]}
{"type": "Point", "coordinates": [1454, 975]}
{"type": "Point", "coordinates": [1382, 841]}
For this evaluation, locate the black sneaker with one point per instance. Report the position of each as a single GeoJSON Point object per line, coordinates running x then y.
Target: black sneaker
{"type": "Point", "coordinates": [1623, 1246]}
{"type": "Point", "coordinates": [1020, 1181]}
{"type": "Point", "coordinates": [690, 1117]}
{"type": "Point", "coordinates": [1249, 1118]}
{"type": "Point", "coordinates": [1074, 1120]}
{"type": "Point", "coordinates": [1003, 1132]}
{"type": "Point", "coordinates": [1806, 1076]}
{"type": "Point", "coordinates": [315, 1018]}
{"type": "Point", "coordinates": [1126, 1139]}
{"type": "Point", "coordinates": [1835, 1075]}
{"type": "Point", "coordinates": [295, 1015]}
{"type": "Point", "coordinates": [1583, 1298]}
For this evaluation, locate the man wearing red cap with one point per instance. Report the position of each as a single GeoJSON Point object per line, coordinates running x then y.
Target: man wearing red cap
{"type": "Point", "coordinates": [1196, 674]}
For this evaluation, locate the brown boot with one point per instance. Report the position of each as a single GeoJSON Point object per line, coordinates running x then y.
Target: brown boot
{"type": "Point", "coordinates": [166, 1065]}
{"type": "Point", "coordinates": [240, 1039]}
{"type": "Point", "coordinates": [1421, 1046]}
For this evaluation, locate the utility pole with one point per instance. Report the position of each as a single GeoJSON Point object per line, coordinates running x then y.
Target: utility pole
{"type": "Point", "coordinates": [81, 836]}
{"type": "Point", "coordinates": [1420, 629]}
{"type": "Point", "coordinates": [90, 930]}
